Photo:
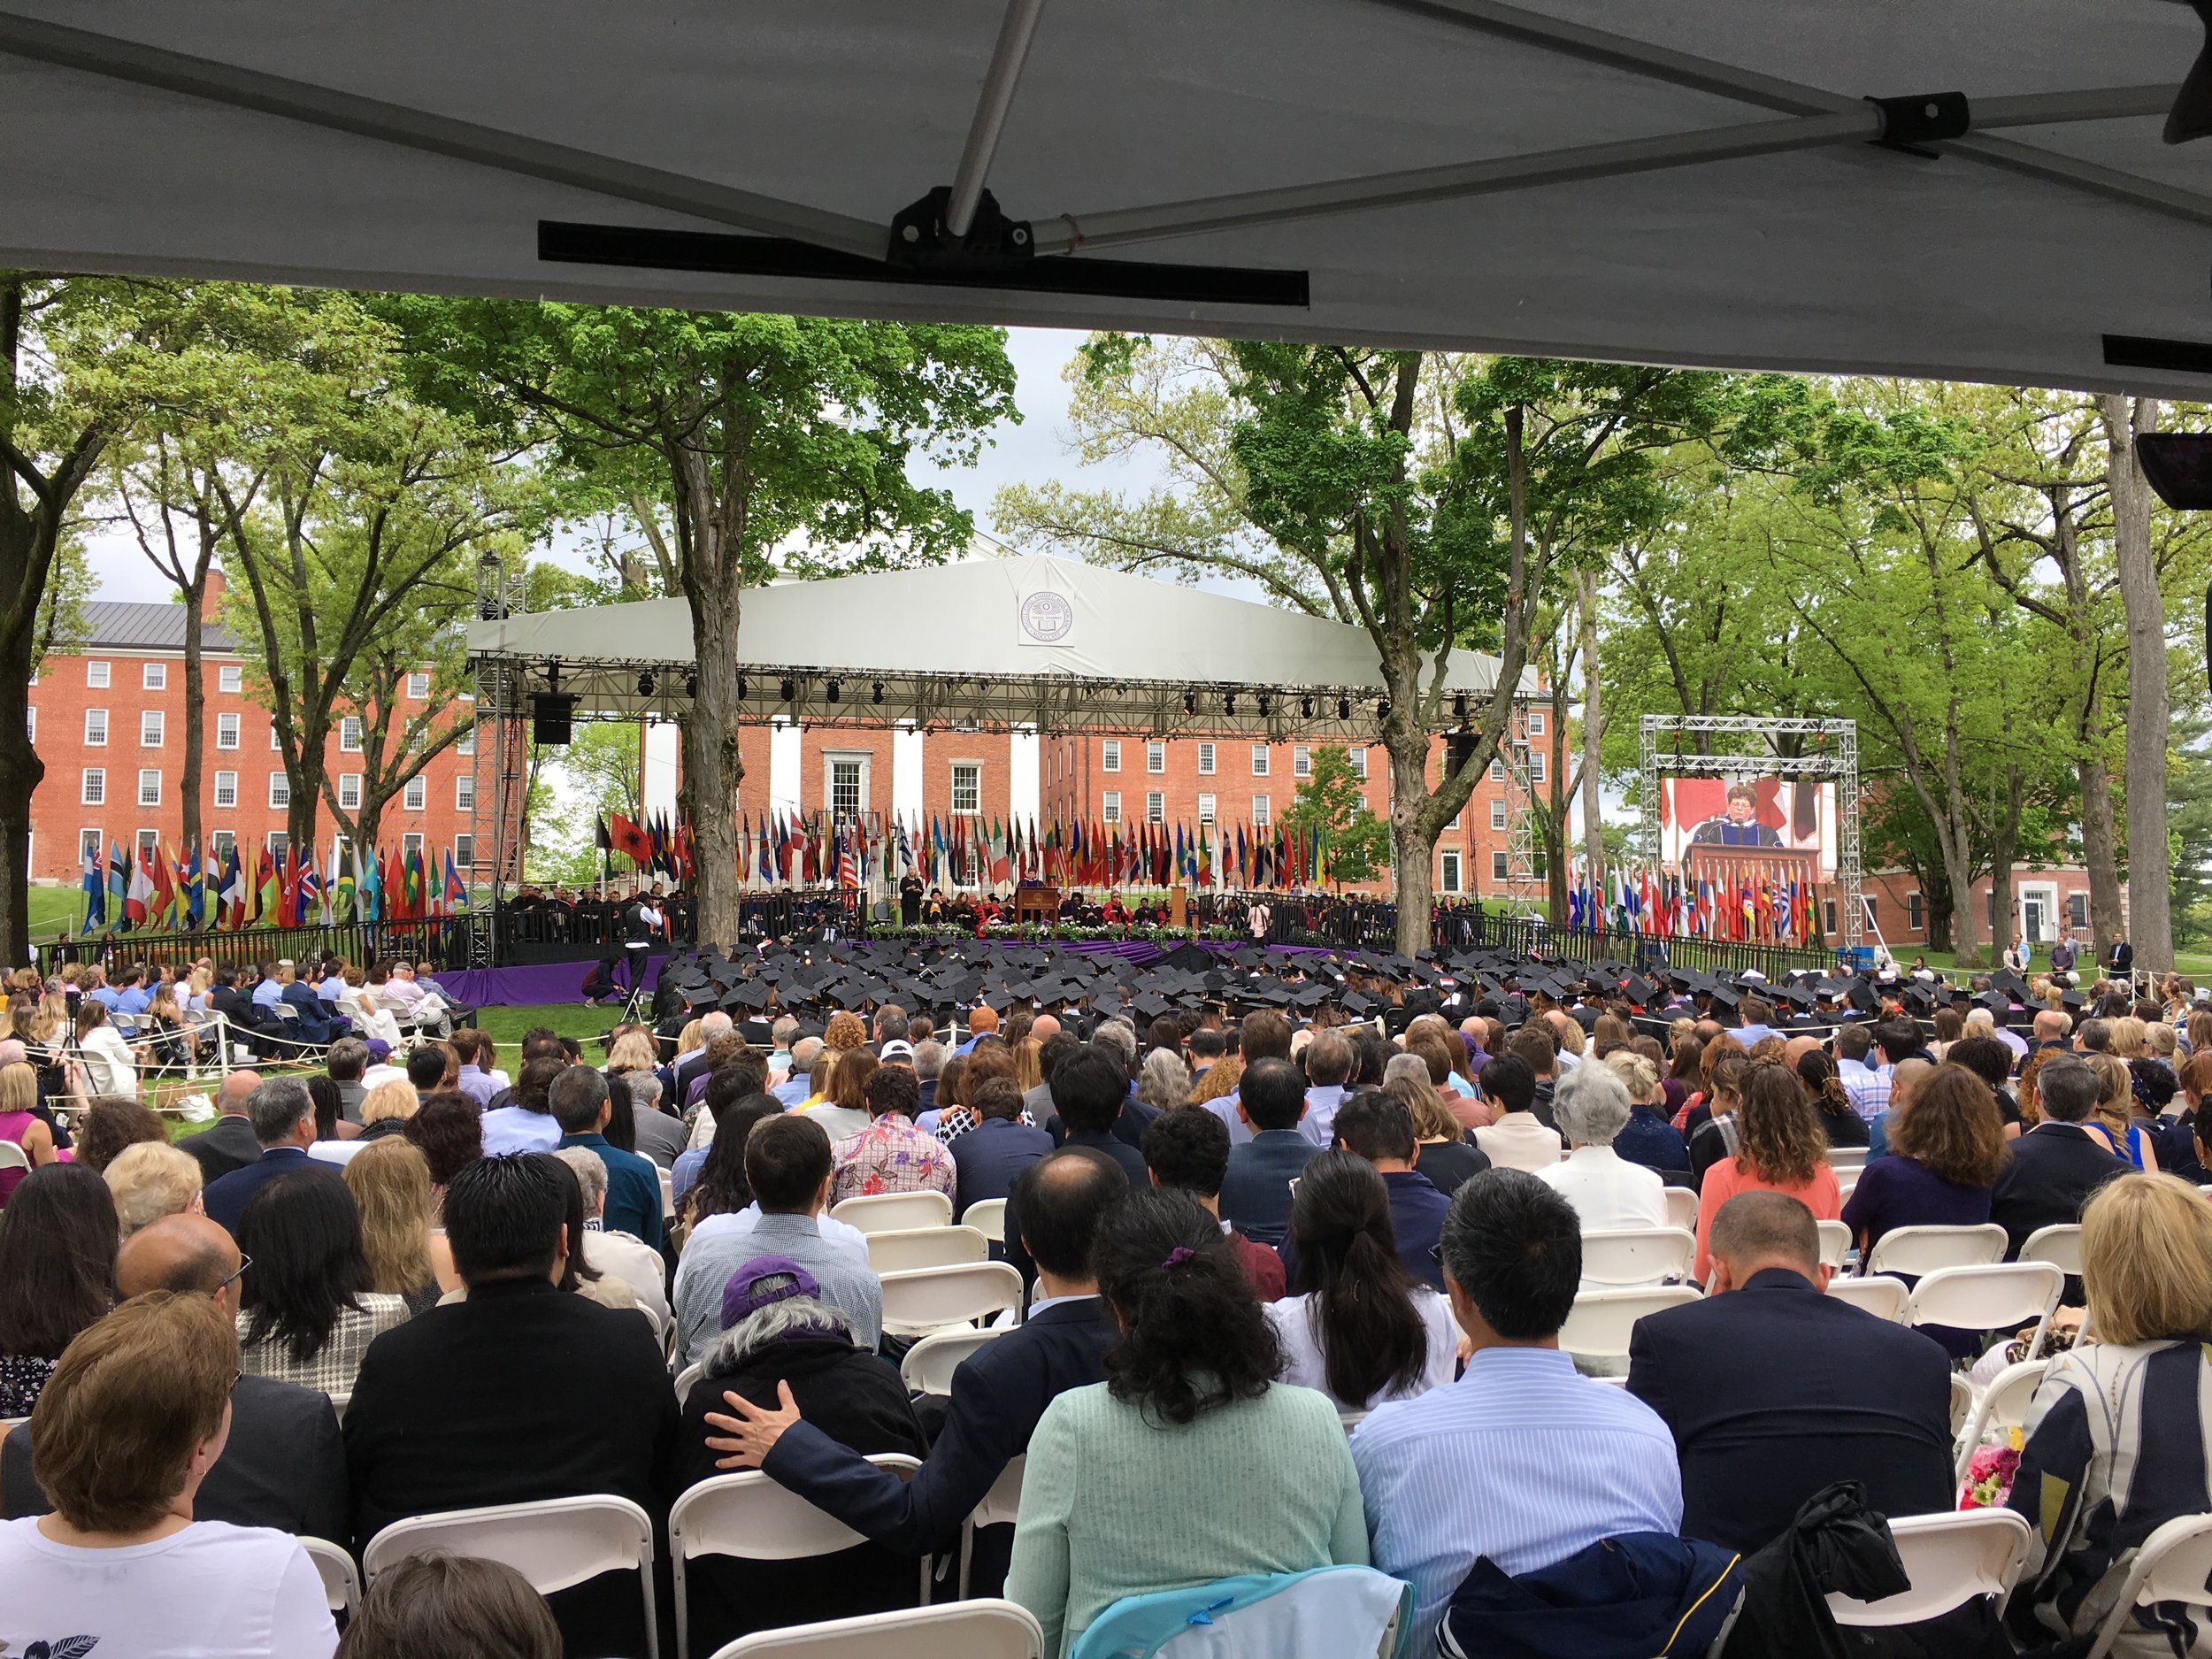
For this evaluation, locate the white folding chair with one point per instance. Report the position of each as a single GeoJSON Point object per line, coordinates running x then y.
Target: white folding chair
{"type": "Point", "coordinates": [2003, 1405]}
{"type": "Point", "coordinates": [749, 1516]}
{"type": "Point", "coordinates": [1835, 1242]}
{"type": "Point", "coordinates": [929, 1364]}
{"type": "Point", "coordinates": [895, 1212]}
{"type": "Point", "coordinates": [1637, 1255]}
{"type": "Point", "coordinates": [1881, 1294]}
{"type": "Point", "coordinates": [339, 1402]}
{"type": "Point", "coordinates": [668, 1193]}
{"type": "Point", "coordinates": [930, 1298]}
{"type": "Point", "coordinates": [8, 1426]}
{"type": "Point", "coordinates": [1962, 1402]}
{"type": "Point", "coordinates": [555, 1543]}
{"type": "Point", "coordinates": [2173, 1564]}
{"type": "Point", "coordinates": [1994, 1298]}
{"type": "Point", "coordinates": [1842, 1158]}
{"type": "Point", "coordinates": [1001, 1505]}
{"type": "Point", "coordinates": [910, 1247]}
{"type": "Point", "coordinates": [1351, 1419]}
{"type": "Point", "coordinates": [2059, 1245]}
{"type": "Point", "coordinates": [1682, 1208]}
{"type": "Point", "coordinates": [1599, 1323]}
{"type": "Point", "coordinates": [987, 1217]}
{"type": "Point", "coordinates": [685, 1377]}
{"type": "Point", "coordinates": [1913, 1251]}
{"type": "Point", "coordinates": [1950, 1558]}
{"type": "Point", "coordinates": [958, 1630]}
{"type": "Point", "coordinates": [342, 1585]}
{"type": "Point", "coordinates": [13, 1156]}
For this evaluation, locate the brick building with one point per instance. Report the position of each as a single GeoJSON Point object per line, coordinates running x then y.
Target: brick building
{"type": "Point", "coordinates": [2045, 899]}
{"type": "Point", "coordinates": [108, 723]}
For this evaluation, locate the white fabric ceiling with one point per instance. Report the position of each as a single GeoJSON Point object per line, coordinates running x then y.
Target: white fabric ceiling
{"type": "Point", "coordinates": [1847, 257]}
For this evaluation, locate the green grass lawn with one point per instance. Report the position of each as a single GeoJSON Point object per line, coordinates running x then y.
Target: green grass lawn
{"type": "Point", "coordinates": [2197, 967]}
{"type": "Point", "coordinates": [53, 909]}
{"type": "Point", "coordinates": [570, 1019]}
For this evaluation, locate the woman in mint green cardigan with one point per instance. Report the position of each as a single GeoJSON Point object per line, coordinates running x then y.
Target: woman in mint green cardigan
{"type": "Point", "coordinates": [1188, 1463]}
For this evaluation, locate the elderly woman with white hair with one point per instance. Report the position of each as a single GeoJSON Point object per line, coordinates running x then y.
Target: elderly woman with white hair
{"type": "Point", "coordinates": [636, 1263]}
{"type": "Point", "coordinates": [1164, 1080]}
{"type": "Point", "coordinates": [1608, 1191]}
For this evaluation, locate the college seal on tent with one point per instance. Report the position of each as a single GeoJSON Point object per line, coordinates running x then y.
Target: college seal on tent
{"type": "Point", "coordinates": [1047, 616]}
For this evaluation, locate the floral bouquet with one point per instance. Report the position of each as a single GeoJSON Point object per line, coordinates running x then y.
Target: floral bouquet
{"type": "Point", "coordinates": [1989, 1474]}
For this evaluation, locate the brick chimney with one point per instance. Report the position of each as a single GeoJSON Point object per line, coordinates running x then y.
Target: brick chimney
{"type": "Point", "coordinates": [211, 598]}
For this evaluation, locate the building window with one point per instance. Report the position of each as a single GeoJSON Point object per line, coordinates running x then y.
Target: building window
{"type": "Point", "coordinates": [148, 787]}
{"type": "Point", "coordinates": [1498, 869]}
{"type": "Point", "coordinates": [150, 727]}
{"type": "Point", "coordinates": [2078, 909]}
{"type": "Point", "coordinates": [95, 728]}
{"type": "Point", "coordinates": [411, 843]}
{"type": "Point", "coordinates": [845, 789]}
{"type": "Point", "coordinates": [1300, 761]}
{"type": "Point", "coordinates": [1113, 806]}
{"type": "Point", "coordinates": [1536, 723]}
{"type": "Point", "coordinates": [1913, 918]}
{"type": "Point", "coordinates": [419, 687]}
{"type": "Point", "coordinates": [967, 786]}
{"type": "Point", "coordinates": [226, 731]}
{"type": "Point", "coordinates": [222, 842]}
{"type": "Point", "coordinates": [1205, 808]}
{"type": "Point", "coordinates": [416, 795]}
{"type": "Point", "coordinates": [1871, 907]}
{"type": "Point", "coordinates": [1497, 814]}
{"type": "Point", "coordinates": [1830, 906]}
{"type": "Point", "coordinates": [155, 676]}
{"type": "Point", "coordinates": [1110, 754]}
{"type": "Point", "coordinates": [349, 736]}
{"type": "Point", "coordinates": [230, 679]}
{"type": "Point", "coordinates": [279, 840]}
{"type": "Point", "coordinates": [274, 745]}
{"type": "Point", "coordinates": [1358, 758]}
{"type": "Point", "coordinates": [89, 846]}
{"type": "Point", "coordinates": [1156, 756]}
{"type": "Point", "coordinates": [1497, 772]}
{"type": "Point", "coordinates": [96, 675]}
{"type": "Point", "coordinates": [1536, 766]}
{"type": "Point", "coordinates": [225, 788]}
{"type": "Point", "coordinates": [349, 792]}
{"type": "Point", "coordinates": [93, 791]}
{"type": "Point", "coordinates": [1450, 883]}
{"type": "Point", "coordinates": [1156, 808]}
{"type": "Point", "coordinates": [464, 793]}
{"type": "Point", "coordinates": [465, 851]}
{"type": "Point", "coordinates": [147, 840]}
{"type": "Point", "coordinates": [30, 725]}
{"type": "Point", "coordinates": [280, 791]}
{"type": "Point", "coordinates": [1261, 811]}
{"type": "Point", "coordinates": [465, 744]}
{"type": "Point", "coordinates": [1205, 760]}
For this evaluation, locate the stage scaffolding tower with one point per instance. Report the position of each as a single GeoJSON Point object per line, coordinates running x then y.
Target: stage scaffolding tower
{"type": "Point", "coordinates": [499, 761]}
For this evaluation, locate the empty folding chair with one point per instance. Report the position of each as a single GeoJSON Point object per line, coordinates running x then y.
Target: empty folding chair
{"type": "Point", "coordinates": [342, 1585]}
{"type": "Point", "coordinates": [1599, 1323]}
{"type": "Point", "coordinates": [895, 1212]}
{"type": "Point", "coordinates": [1001, 1505]}
{"type": "Point", "coordinates": [2174, 1564]}
{"type": "Point", "coordinates": [668, 1194]}
{"type": "Point", "coordinates": [958, 1630]}
{"type": "Point", "coordinates": [1997, 1297]}
{"type": "Point", "coordinates": [749, 1516]}
{"type": "Point", "coordinates": [1682, 1208]}
{"type": "Point", "coordinates": [556, 1543]}
{"type": "Point", "coordinates": [2003, 1405]}
{"type": "Point", "coordinates": [1637, 1255]}
{"type": "Point", "coordinates": [912, 1248]}
{"type": "Point", "coordinates": [2059, 1245]}
{"type": "Point", "coordinates": [1962, 1402]}
{"type": "Point", "coordinates": [1842, 1158]}
{"type": "Point", "coordinates": [1950, 1559]}
{"type": "Point", "coordinates": [1880, 1293]}
{"type": "Point", "coordinates": [929, 1364]}
{"type": "Point", "coordinates": [987, 1217]}
{"type": "Point", "coordinates": [1913, 1251]}
{"type": "Point", "coordinates": [931, 1298]}
{"type": "Point", "coordinates": [1835, 1242]}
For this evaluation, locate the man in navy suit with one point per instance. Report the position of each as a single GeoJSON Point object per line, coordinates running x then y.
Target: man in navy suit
{"type": "Point", "coordinates": [1775, 1390]}
{"type": "Point", "coordinates": [1379, 1127]}
{"type": "Point", "coordinates": [990, 1156]}
{"type": "Point", "coordinates": [283, 1118]}
{"type": "Point", "coordinates": [1088, 1092]}
{"type": "Point", "coordinates": [2055, 1166]}
{"type": "Point", "coordinates": [1255, 1192]}
{"type": "Point", "coordinates": [998, 1392]}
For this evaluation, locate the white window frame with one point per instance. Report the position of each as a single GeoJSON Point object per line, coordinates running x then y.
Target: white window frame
{"type": "Point", "coordinates": [150, 786]}
{"type": "Point", "coordinates": [153, 727]}
{"type": "Point", "coordinates": [1357, 757]}
{"type": "Point", "coordinates": [1536, 723]}
{"type": "Point", "coordinates": [348, 792]}
{"type": "Point", "coordinates": [278, 841]}
{"type": "Point", "coordinates": [275, 745]}
{"type": "Point", "coordinates": [350, 734]}
{"type": "Point", "coordinates": [153, 675]}
{"type": "Point", "coordinates": [1300, 761]}
{"type": "Point", "coordinates": [1536, 766]}
{"type": "Point", "coordinates": [1112, 808]}
{"type": "Point", "coordinates": [465, 791]}
{"type": "Point", "coordinates": [147, 840]}
{"type": "Point", "coordinates": [972, 770]}
{"type": "Point", "coordinates": [89, 845]}
{"type": "Point", "coordinates": [230, 678]}
{"type": "Point", "coordinates": [96, 676]}
{"type": "Point", "coordinates": [1497, 814]}
{"type": "Point", "coordinates": [465, 851]}
{"type": "Point", "coordinates": [1259, 760]}
{"type": "Point", "coordinates": [1500, 870]}
{"type": "Point", "coordinates": [415, 796]}
{"type": "Point", "coordinates": [1206, 804]}
{"type": "Point", "coordinates": [226, 731]}
{"type": "Point", "coordinates": [1155, 755]}
{"type": "Point", "coordinates": [1497, 772]}
{"type": "Point", "coordinates": [95, 728]}
{"type": "Point", "coordinates": [1206, 760]}
{"type": "Point", "coordinates": [220, 841]}
{"type": "Point", "coordinates": [419, 687]}
{"type": "Point", "coordinates": [411, 843]}
{"type": "Point", "coordinates": [92, 786]}
{"type": "Point", "coordinates": [225, 789]}
{"type": "Point", "coordinates": [1110, 754]}
{"type": "Point", "coordinates": [465, 744]}
{"type": "Point", "coordinates": [280, 793]}
{"type": "Point", "coordinates": [1155, 807]}
{"type": "Point", "coordinates": [1262, 811]}
{"type": "Point", "coordinates": [1449, 881]}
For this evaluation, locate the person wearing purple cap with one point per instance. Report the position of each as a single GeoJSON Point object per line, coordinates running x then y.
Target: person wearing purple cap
{"type": "Point", "coordinates": [782, 1341]}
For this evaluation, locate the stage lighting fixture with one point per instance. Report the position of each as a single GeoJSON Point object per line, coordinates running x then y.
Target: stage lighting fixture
{"type": "Point", "coordinates": [1459, 706]}
{"type": "Point", "coordinates": [1190, 702]}
{"type": "Point", "coordinates": [835, 691]}
{"type": "Point", "coordinates": [691, 684]}
{"type": "Point", "coordinates": [645, 684]}
{"type": "Point", "coordinates": [790, 689]}
{"type": "Point", "coordinates": [1343, 708]}
{"type": "Point", "coordinates": [740, 686]}
{"type": "Point", "coordinates": [877, 696]}
{"type": "Point", "coordinates": [1382, 708]}
{"type": "Point", "coordinates": [1267, 706]}
{"type": "Point", "coordinates": [1305, 708]}
{"type": "Point", "coordinates": [1229, 704]}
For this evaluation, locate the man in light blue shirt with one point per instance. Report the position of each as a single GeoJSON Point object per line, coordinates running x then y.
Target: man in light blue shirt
{"type": "Point", "coordinates": [1522, 1460]}
{"type": "Point", "coordinates": [134, 998]}
{"type": "Point", "coordinates": [800, 1085]}
{"type": "Point", "coordinates": [526, 1125]}
{"type": "Point", "coordinates": [270, 991]}
{"type": "Point", "coordinates": [1328, 1066]}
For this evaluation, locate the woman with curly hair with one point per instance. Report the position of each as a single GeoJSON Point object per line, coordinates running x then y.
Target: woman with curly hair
{"type": "Point", "coordinates": [1839, 1120]}
{"type": "Point", "coordinates": [1947, 1149]}
{"type": "Point", "coordinates": [1779, 1149]}
{"type": "Point", "coordinates": [1189, 1463]}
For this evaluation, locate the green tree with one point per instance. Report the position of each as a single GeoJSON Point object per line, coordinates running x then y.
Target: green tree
{"type": "Point", "coordinates": [1331, 803]}
{"type": "Point", "coordinates": [744, 447]}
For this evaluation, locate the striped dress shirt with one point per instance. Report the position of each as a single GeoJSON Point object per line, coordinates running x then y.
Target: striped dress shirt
{"type": "Point", "coordinates": [1522, 1460]}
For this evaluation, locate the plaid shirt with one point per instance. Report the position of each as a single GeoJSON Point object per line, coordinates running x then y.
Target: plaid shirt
{"type": "Point", "coordinates": [334, 1366]}
{"type": "Point", "coordinates": [891, 1155]}
{"type": "Point", "coordinates": [1867, 1087]}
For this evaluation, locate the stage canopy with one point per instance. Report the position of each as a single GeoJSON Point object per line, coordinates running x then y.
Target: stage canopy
{"type": "Point", "coordinates": [1000, 642]}
{"type": "Point", "coordinates": [1681, 182]}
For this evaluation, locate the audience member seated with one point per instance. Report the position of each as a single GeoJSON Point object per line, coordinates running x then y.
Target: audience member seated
{"type": "Point", "coordinates": [386, 1109]}
{"type": "Point", "coordinates": [2056, 1165]}
{"type": "Point", "coordinates": [1361, 1328]}
{"type": "Point", "coordinates": [1779, 1149]}
{"type": "Point", "coordinates": [136, 1414]}
{"type": "Point", "coordinates": [109, 1125]}
{"type": "Point", "coordinates": [2116, 1440]}
{"type": "Point", "coordinates": [1189, 1464]}
{"type": "Point", "coordinates": [230, 1144]}
{"type": "Point", "coordinates": [519, 1393]}
{"type": "Point", "coordinates": [1774, 1390]}
{"type": "Point", "coordinates": [309, 1312]}
{"type": "Point", "coordinates": [283, 1118]}
{"type": "Point", "coordinates": [1449, 1155]}
{"type": "Point", "coordinates": [998, 1392]}
{"type": "Point", "coordinates": [842, 1109]}
{"type": "Point", "coordinates": [619, 1255]}
{"type": "Point", "coordinates": [661, 1134]}
{"type": "Point", "coordinates": [1517, 1139]}
{"type": "Point", "coordinates": [391, 1184]}
{"type": "Point", "coordinates": [1379, 1129]}
{"type": "Point", "coordinates": [784, 1348]}
{"type": "Point", "coordinates": [1523, 1460]}
{"type": "Point", "coordinates": [788, 1167]}
{"type": "Point", "coordinates": [581, 1105]}
{"type": "Point", "coordinates": [1947, 1149]}
{"type": "Point", "coordinates": [525, 1124]}
{"type": "Point", "coordinates": [438, 1605]}
{"type": "Point", "coordinates": [1188, 1151]}
{"type": "Point", "coordinates": [58, 1239]}
{"type": "Point", "coordinates": [988, 1159]}
{"type": "Point", "coordinates": [891, 1154]}
{"type": "Point", "coordinates": [19, 1123]}
{"type": "Point", "coordinates": [1591, 1107]}
{"type": "Point", "coordinates": [111, 1064]}
{"type": "Point", "coordinates": [1840, 1118]}
{"type": "Point", "coordinates": [1255, 1188]}
{"type": "Point", "coordinates": [150, 1180]}
{"type": "Point", "coordinates": [1648, 1138]}
{"type": "Point", "coordinates": [1089, 1089]}
{"type": "Point", "coordinates": [284, 1465]}
{"type": "Point", "coordinates": [347, 1059]}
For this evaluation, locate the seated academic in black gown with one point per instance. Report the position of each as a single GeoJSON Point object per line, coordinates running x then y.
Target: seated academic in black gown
{"type": "Point", "coordinates": [776, 1328]}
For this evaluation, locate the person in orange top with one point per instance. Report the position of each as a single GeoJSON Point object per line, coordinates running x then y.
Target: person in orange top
{"type": "Point", "coordinates": [1780, 1149]}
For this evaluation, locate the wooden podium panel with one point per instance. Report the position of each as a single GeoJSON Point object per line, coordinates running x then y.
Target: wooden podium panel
{"type": "Point", "coordinates": [1034, 902]}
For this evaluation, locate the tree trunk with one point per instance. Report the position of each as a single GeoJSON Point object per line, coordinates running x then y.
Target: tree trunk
{"type": "Point", "coordinates": [2150, 874]}
{"type": "Point", "coordinates": [307, 788]}
{"type": "Point", "coordinates": [21, 769]}
{"type": "Point", "coordinates": [1593, 732]}
{"type": "Point", "coordinates": [1411, 852]}
{"type": "Point", "coordinates": [195, 709]}
{"type": "Point", "coordinates": [2004, 841]}
{"type": "Point", "coordinates": [713, 766]}
{"type": "Point", "coordinates": [2099, 848]}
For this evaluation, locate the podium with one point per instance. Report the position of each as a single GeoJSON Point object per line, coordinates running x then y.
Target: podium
{"type": "Point", "coordinates": [1034, 902]}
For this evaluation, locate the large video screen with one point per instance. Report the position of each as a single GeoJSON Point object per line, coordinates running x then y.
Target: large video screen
{"type": "Point", "coordinates": [1740, 818]}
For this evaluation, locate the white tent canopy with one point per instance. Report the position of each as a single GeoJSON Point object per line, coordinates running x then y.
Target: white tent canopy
{"type": "Point", "coordinates": [1013, 642]}
{"type": "Point", "coordinates": [1685, 182]}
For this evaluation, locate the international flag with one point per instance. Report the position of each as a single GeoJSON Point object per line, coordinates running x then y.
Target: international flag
{"type": "Point", "coordinates": [457, 893]}
{"type": "Point", "coordinates": [195, 878]}
{"type": "Point", "coordinates": [95, 892]}
{"type": "Point", "coordinates": [268, 888]}
{"type": "Point", "coordinates": [161, 908]}
{"type": "Point", "coordinates": [344, 888]}
{"type": "Point", "coordinates": [231, 894]}
{"type": "Point", "coordinates": [309, 901]}
{"type": "Point", "coordinates": [139, 896]}
{"type": "Point", "coordinates": [119, 885]}
{"type": "Point", "coordinates": [628, 838]}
